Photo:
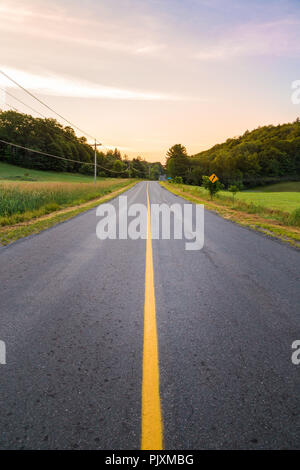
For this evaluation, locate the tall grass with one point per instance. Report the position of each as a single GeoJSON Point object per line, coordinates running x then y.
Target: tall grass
{"type": "Point", "coordinates": [23, 201]}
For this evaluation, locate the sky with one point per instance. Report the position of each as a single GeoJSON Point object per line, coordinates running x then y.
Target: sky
{"type": "Point", "coordinates": [143, 75]}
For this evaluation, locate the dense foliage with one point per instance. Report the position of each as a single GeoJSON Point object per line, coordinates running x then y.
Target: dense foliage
{"type": "Point", "coordinates": [48, 135]}
{"type": "Point", "coordinates": [266, 154]}
{"type": "Point", "coordinates": [177, 161]}
{"type": "Point", "coordinates": [212, 188]}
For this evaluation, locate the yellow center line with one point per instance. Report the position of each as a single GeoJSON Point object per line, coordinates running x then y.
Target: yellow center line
{"type": "Point", "coordinates": [152, 433]}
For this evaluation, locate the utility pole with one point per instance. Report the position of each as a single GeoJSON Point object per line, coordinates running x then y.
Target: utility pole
{"type": "Point", "coordinates": [95, 162]}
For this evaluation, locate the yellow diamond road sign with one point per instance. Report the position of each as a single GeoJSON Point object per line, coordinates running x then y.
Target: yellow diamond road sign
{"type": "Point", "coordinates": [213, 178]}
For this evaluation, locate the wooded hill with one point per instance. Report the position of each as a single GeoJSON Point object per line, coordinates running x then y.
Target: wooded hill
{"type": "Point", "coordinates": [49, 136]}
{"type": "Point", "coordinates": [268, 153]}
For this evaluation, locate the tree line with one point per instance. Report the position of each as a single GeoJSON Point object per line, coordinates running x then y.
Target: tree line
{"type": "Point", "coordinates": [49, 136]}
{"type": "Point", "coordinates": [266, 154]}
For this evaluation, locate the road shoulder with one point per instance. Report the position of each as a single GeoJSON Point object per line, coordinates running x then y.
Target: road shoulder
{"type": "Point", "coordinates": [268, 227]}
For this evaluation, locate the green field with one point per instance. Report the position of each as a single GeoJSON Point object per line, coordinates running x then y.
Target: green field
{"type": "Point", "coordinates": [279, 202]}
{"type": "Point", "coordinates": [16, 173]}
{"type": "Point", "coordinates": [282, 196]}
{"type": "Point", "coordinates": [292, 186]}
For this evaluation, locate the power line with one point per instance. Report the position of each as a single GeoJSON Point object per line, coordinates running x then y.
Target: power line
{"type": "Point", "coordinates": [44, 104]}
{"type": "Point", "coordinates": [22, 102]}
{"type": "Point", "coordinates": [66, 136]}
{"type": "Point", "coordinates": [43, 153]}
{"type": "Point", "coordinates": [61, 158]}
{"type": "Point", "coordinates": [12, 107]}
{"type": "Point", "coordinates": [38, 112]}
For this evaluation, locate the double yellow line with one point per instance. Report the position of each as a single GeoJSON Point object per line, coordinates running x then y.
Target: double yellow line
{"type": "Point", "coordinates": [152, 432]}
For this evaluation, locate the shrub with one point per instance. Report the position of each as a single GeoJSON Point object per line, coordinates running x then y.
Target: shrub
{"type": "Point", "coordinates": [212, 188]}
{"type": "Point", "coordinates": [294, 217]}
{"type": "Point", "coordinates": [50, 207]}
{"type": "Point", "coordinates": [178, 180]}
{"type": "Point", "coordinates": [234, 188]}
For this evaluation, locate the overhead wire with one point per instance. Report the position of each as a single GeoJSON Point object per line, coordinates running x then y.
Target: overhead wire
{"type": "Point", "coordinates": [46, 105]}
{"type": "Point", "coordinates": [66, 120]}
{"type": "Point", "coordinates": [62, 158]}
{"type": "Point", "coordinates": [22, 102]}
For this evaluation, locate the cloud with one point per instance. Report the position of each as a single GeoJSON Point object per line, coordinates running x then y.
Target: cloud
{"type": "Point", "coordinates": [59, 86]}
{"type": "Point", "coordinates": [275, 38]}
{"type": "Point", "coordinates": [150, 49]}
{"type": "Point", "coordinates": [71, 39]}
{"type": "Point", "coordinates": [20, 15]}
{"type": "Point", "coordinates": [56, 24]}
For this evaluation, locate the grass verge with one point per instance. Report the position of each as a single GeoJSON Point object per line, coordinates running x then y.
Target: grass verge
{"type": "Point", "coordinates": [11, 233]}
{"type": "Point", "coordinates": [261, 222]}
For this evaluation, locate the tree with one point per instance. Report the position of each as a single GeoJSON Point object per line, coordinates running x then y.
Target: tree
{"type": "Point", "coordinates": [177, 162]}
{"type": "Point", "coordinates": [118, 168]}
{"type": "Point", "coordinates": [212, 188]}
{"type": "Point", "coordinates": [154, 171]}
{"type": "Point", "coordinates": [234, 188]}
{"type": "Point", "coordinates": [263, 155]}
{"type": "Point", "coordinates": [139, 168]}
{"type": "Point", "coordinates": [49, 136]}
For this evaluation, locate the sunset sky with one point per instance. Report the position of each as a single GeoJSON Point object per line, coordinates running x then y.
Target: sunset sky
{"type": "Point", "coordinates": [142, 75]}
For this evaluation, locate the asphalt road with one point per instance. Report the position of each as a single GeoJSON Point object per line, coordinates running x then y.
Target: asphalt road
{"type": "Point", "coordinates": [72, 318]}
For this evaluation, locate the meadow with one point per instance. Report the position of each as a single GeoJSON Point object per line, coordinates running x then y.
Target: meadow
{"type": "Point", "coordinates": [281, 196]}
{"type": "Point", "coordinates": [21, 202]}
{"type": "Point", "coordinates": [16, 173]}
{"type": "Point", "coordinates": [279, 201]}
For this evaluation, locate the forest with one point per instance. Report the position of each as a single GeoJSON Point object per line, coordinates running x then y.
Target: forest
{"type": "Point", "coordinates": [265, 155]}
{"type": "Point", "coordinates": [268, 154]}
{"type": "Point", "coordinates": [49, 136]}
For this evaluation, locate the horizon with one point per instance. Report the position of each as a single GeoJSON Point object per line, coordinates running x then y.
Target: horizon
{"type": "Point", "coordinates": [147, 77]}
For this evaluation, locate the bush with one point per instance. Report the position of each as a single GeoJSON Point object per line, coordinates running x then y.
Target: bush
{"type": "Point", "coordinates": [51, 207]}
{"type": "Point", "coordinates": [294, 217]}
{"type": "Point", "coordinates": [212, 188]}
{"type": "Point", "coordinates": [178, 180]}
{"type": "Point", "coordinates": [234, 188]}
